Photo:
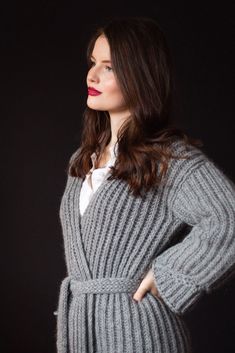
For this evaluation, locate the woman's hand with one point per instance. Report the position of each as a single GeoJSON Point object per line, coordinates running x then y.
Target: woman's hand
{"type": "Point", "coordinates": [146, 285]}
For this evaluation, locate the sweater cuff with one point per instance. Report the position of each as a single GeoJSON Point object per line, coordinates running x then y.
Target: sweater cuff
{"type": "Point", "coordinates": [178, 291]}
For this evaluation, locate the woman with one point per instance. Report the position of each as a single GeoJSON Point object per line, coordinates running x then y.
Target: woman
{"type": "Point", "coordinates": [147, 217]}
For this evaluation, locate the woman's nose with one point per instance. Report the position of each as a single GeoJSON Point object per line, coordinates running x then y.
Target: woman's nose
{"type": "Point", "coordinates": [92, 76]}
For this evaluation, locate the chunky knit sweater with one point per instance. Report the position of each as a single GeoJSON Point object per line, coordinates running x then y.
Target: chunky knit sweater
{"type": "Point", "coordinates": [184, 231]}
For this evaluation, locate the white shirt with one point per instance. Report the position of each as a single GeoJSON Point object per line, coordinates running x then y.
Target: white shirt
{"type": "Point", "coordinates": [95, 177]}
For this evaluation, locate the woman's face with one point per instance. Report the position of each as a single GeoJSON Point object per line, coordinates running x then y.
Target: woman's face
{"type": "Point", "coordinates": [101, 77]}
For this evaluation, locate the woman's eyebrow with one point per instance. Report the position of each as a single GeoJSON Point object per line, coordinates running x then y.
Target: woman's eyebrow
{"type": "Point", "coordinates": [103, 61]}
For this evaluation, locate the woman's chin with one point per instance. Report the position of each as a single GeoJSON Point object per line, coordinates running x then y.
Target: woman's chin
{"type": "Point", "coordinates": [94, 106]}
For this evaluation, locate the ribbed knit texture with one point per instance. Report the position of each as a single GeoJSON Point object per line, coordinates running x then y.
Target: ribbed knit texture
{"type": "Point", "coordinates": [184, 230]}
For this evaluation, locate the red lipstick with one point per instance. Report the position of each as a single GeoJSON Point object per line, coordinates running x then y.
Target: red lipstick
{"type": "Point", "coordinates": [93, 92]}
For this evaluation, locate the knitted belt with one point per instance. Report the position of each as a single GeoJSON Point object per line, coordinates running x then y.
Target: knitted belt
{"type": "Point", "coordinates": [98, 285]}
{"type": "Point", "coordinates": [103, 285]}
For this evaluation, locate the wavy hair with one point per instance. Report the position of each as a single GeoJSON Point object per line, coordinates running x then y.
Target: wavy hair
{"type": "Point", "coordinates": [142, 66]}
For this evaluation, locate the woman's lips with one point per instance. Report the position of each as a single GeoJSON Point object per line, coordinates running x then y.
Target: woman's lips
{"type": "Point", "coordinates": [93, 92]}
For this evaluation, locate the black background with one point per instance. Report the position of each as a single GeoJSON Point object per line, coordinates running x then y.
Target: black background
{"type": "Point", "coordinates": [43, 91]}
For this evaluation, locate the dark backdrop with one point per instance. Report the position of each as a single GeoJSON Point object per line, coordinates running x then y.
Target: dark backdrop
{"type": "Point", "coordinates": [43, 91]}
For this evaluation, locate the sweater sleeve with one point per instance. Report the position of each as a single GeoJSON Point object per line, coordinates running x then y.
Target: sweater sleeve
{"type": "Point", "coordinates": [205, 258]}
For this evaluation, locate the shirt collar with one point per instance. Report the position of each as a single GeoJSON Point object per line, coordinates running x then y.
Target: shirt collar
{"type": "Point", "coordinates": [113, 151]}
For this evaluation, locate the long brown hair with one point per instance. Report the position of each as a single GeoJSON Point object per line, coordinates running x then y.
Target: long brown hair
{"type": "Point", "coordinates": [142, 65]}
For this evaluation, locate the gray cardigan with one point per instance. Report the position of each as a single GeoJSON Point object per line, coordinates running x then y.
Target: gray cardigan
{"type": "Point", "coordinates": [184, 231]}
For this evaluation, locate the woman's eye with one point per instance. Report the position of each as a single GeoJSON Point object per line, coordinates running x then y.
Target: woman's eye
{"type": "Point", "coordinates": [107, 67]}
